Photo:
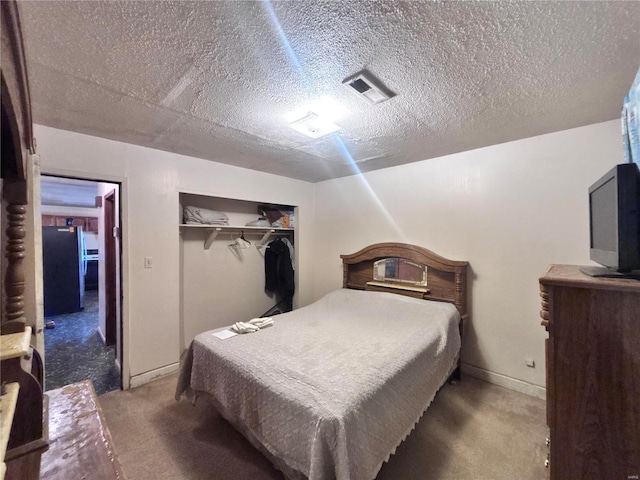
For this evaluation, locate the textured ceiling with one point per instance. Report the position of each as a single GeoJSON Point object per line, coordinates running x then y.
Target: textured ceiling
{"type": "Point", "coordinates": [222, 80]}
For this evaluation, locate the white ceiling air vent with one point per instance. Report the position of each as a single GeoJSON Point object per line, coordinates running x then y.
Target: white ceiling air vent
{"type": "Point", "coordinates": [365, 85]}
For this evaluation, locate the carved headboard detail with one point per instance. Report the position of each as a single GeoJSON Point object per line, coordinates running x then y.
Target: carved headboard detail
{"type": "Point", "coordinates": [446, 279]}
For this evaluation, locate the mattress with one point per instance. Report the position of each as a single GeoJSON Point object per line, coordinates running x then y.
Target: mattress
{"type": "Point", "coordinates": [333, 388]}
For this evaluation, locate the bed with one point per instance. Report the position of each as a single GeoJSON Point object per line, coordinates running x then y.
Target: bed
{"type": "Point", "coordinates": [331, 389]}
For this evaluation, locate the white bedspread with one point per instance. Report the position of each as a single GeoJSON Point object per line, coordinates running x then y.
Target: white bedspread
{"type": "Point", "coordinates": [331, 389]}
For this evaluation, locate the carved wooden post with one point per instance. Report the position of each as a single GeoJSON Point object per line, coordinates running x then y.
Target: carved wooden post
{"type": "Point", "coordinates": [14, 280]}
{"type": "Point", "coordinates": [27, 439]}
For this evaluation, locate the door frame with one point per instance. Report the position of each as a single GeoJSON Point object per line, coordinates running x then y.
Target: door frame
{"type": "Point", "coordinates": [125, 365]}
{"type": "Point", "coordinates": [110, 277]}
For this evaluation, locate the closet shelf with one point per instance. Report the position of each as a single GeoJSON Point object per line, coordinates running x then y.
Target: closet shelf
{"type": "Point", "coordinates": [214, 230]}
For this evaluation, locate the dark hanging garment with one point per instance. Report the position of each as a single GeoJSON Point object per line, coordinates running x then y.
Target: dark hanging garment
{"type": "Point", "coordinates": [279, 273]}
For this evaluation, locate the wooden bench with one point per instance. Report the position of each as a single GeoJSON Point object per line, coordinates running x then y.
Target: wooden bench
{"type": "Point", "coordinates": [80, 444]}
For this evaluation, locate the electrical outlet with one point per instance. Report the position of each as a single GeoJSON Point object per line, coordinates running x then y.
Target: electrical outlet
{"type": "Point", "coordinates": [530, 362]}
{"type": "Point", "coordinates": [148, 262]}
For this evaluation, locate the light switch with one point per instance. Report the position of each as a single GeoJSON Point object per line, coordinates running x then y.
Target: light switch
{"type": "Point", "coordinates": [148, 262]}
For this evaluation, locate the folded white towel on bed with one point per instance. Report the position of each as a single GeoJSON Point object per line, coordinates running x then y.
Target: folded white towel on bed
{"type": "Point", "coordinates": [261, 322]}
{"type": "Point", "coordinates": [244, 327]}
{"type": "Point", "coordinates": [252, 325]}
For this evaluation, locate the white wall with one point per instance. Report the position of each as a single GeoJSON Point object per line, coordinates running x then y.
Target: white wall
{"type": "Point", "coordinates": [151, 180]}
{"type": "Point", "coordinates": [509, 209]}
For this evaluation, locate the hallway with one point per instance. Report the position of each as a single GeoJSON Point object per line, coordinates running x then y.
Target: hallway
{"type": "Point", "coordinates": [74, 350]}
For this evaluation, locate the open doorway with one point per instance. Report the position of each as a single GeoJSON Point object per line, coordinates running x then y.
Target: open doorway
{"type": "Point", "coordinates": [81, 268]}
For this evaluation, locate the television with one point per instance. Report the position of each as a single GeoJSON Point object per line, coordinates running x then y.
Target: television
{"type": "Point", "coordinates": [614, 223]}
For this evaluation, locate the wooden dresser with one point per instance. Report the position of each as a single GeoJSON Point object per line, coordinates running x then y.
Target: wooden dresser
{"type": "Point", "coordinates": [593, 374]}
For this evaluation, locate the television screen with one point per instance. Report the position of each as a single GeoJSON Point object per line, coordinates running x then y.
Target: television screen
{"type": "Point", "coordinates": [614, 221]}
{"type": "Point", "coordinates": [603, 217]}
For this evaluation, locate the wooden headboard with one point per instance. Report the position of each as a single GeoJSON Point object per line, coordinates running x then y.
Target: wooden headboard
{"type": "Point", "coordinates": [446, 279]}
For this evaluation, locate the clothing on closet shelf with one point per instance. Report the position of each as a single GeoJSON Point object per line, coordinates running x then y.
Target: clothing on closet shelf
{"type": "Point", "coordinates": [271, 212]}
{"type": "Point", "coordinates": [202, 216]}
{"type": "Point", "coordinates": [278, 270]}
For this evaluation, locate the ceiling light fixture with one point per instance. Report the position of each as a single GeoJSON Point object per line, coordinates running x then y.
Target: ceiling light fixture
{"type": "Point", "coordinates": [325, 107]}
{"type": "Point", "coordinates": [314, 126]}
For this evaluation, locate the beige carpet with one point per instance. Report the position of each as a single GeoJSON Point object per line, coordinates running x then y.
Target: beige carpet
{"type": "Point", "coordinates": [473, 430]}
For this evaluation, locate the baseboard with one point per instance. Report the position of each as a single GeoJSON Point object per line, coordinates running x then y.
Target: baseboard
{"type": "Point", "coordinates": [504, 381]}
{"type": "Point", "coordinates": [476, 372]}
{"type": "Point", "coordinates": [146, 377]}
{"type": "Point", "coordinates": [104, 339]}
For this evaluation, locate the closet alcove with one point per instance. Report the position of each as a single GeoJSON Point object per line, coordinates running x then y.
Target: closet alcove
{"type": "Point", "coordinates": [220, 282]}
